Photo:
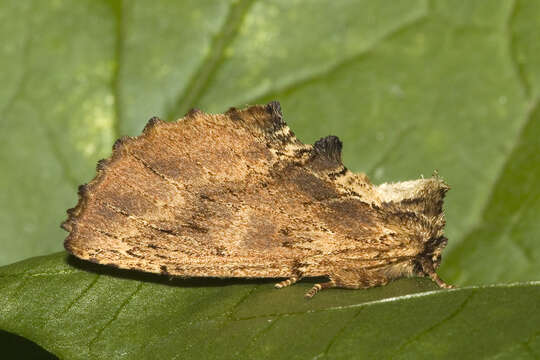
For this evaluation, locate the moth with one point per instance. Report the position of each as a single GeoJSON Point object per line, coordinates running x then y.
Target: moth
{"type": "Point", "coordinates": [238, 195]}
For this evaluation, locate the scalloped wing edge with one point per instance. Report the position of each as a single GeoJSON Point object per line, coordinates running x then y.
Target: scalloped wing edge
{"type": "Point", "coordinates": [264, 121]}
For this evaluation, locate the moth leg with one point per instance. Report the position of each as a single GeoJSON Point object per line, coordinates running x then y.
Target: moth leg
{"type": "Point", "coordinates": [430, 271]}
{"type": "Point", "coordinates": [290, 281]}
{"type": "Point", "coordinates": [347, 279]}
{"type": "Point", "coordinates": [318, 287]}
{"type": "Point", "coordinates": [433, 276]}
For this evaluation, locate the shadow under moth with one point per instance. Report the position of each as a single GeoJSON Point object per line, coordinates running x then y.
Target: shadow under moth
{"type": "Point", "coordinates": [238, 195]}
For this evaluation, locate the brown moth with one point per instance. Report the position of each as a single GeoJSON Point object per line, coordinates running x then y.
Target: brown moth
{"type": "Point", "coordinates": [238, 195]}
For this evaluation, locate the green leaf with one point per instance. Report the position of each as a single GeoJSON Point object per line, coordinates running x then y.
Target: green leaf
{"type": "Point", "coordinates": [81, 311]}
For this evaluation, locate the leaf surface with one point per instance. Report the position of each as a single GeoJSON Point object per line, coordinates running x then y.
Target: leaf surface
{"type": "Point", "coordinates": [81, 311]}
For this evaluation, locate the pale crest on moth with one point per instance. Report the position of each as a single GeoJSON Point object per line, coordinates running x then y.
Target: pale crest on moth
{"type": "Point", "coordinates": [237, 195]}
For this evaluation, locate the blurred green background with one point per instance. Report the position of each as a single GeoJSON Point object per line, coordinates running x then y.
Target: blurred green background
{"type": "Point", "coordinates": [409, 86]}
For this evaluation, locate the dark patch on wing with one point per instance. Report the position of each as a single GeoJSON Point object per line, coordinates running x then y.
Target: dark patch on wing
{"type": "Point", "coordinates": [349, 216]}
{"type": "Point", "coordinates": [349, 209]}
{"type": "Point", "coordinates": [313, 186]}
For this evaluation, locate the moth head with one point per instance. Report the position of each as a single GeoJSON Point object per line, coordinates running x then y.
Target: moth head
{"type": "Point", "coordinates": [424, 196]}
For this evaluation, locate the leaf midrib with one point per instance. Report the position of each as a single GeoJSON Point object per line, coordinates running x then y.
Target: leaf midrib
{"type": "Point", "coordinates": [396, 299]}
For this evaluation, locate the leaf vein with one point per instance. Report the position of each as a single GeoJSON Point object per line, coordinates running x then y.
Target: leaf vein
{"type": "Point", "coordinates": [391, 300]}
{"type": "Point", "coordinates": [339, 332]}
{"type": "Point", "coordinates": [25, 275]}
{"type": "Point", "coordinates": [202, 77]}
{"type": "Point", "coordinates": [84, 292]}
{"type": "Point", "coordinates": [446, 319]}
{"type": "Point", "coordinates": [23, 78]}
{"type": "Point", "coordinates": [327, 71]}
{"type": "Point", "coordinates": [115, 316]}
{"type": "Point", "coordinates": [519, 69]}
{"type": "Point", "coordinates": [498, 178]}
{"type": "Point", "coordinates": [239, 302]}
{"type": "Point", "coordinates": [258, 335]}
